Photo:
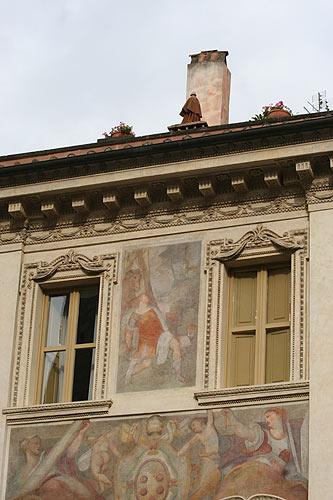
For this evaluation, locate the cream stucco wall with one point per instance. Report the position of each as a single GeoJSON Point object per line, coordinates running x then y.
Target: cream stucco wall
{"type": "Point", "coordinates": [321, 354]}
{"type": "Point", "coordinates": [10, 264]}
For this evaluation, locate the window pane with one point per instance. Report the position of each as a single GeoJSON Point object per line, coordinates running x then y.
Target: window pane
{"type": "Point", "coordinates": [244, 298]}
{"type": "Point", "coordinates": [53, 379]}
{"type": "Point", "coordinates": [83, 374]}
{"type": "Point", "coordinates": [87, 323]}
{"type": "Point", "coordinates": [277, 356]}
{"type": "Point", "coordinates": [242, 368]}
{"type": "Point", "coordinates": [278, 295]}
{"type": "Point", "coordinates": [57, 320]}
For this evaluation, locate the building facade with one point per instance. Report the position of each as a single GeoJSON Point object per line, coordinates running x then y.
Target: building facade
{"type": "Point", "coordinates": [166, 306]}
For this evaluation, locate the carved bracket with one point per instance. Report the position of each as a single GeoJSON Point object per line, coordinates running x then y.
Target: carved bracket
{"type": "Point", "coordinates": [258, 237]}
{"type": "Point", "coordinates": [71, 259]}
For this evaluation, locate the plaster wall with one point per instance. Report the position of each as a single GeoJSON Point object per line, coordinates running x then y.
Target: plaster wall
{"type": "Point", "coordinates": [321, 354]}
{"type": "Point", "coordinates": [164, 400]}
{"type": "Point", "coordinates": [10, 265]}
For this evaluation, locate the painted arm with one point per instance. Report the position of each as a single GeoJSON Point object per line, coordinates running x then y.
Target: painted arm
{"type": "Point", "coordinates": [76, 443]}
{"type": "Point", "coordinates": [238, 428]}
{"type": "Point", "coordinates": [188, 445]}
{"type": "Point", "coordinates": [210, 419]}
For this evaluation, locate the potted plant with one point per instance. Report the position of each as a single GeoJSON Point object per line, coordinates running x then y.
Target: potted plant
{"type": "Point", "coordinates": [277, 110]}
{"type": "Point", "coordinates": [120, 130]}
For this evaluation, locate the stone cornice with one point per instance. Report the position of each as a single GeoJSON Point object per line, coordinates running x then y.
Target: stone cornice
{"type": "Point", "coordinates": [255, 394]}
{"type": "Point", "coordinates": [57, 412]}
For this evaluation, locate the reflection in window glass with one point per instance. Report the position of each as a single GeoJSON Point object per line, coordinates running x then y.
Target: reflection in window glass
{"type": "Point", "coordinates": [53, 379]}
{"type": "Point", "coordinates": [57, 320]}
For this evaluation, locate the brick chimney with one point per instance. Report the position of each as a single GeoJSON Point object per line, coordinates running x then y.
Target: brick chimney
{"type": "Point", "coordinates": [209, 77]}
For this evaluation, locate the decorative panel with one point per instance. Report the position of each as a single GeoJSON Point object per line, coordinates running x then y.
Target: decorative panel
{"type": "Point", "coordinates": [202, 454]}
{"type": "Point", "coordinates": [159, 317]}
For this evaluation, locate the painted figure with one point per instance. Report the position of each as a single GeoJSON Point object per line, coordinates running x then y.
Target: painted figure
{"type": "Point", "coordinates": [52, 474]}
{"type": "Point", "coordinates": [183, 455]}
{"type": "Point", "coordinates": [100, 458]}
{"type": "Point", "coordinates": [272, 451]}
{"type": "Point", "coordinates": [153, 339]}
{"type": "Point", "coordinates": [159, 317]}
{"type": "Point", "coordinates": [206, 435]}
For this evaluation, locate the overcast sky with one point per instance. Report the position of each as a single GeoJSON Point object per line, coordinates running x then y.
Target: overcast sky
{"type": "Point", "coordinates": [72, 69]}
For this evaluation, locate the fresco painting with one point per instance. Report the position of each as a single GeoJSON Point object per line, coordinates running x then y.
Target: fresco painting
{"type": "Point", "coordinates": [159, 317]}
{"type": "Point", "coordinates": [210, 455]}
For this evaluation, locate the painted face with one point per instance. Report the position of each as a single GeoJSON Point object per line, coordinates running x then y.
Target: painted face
{"type": "Point", "coordinates": [196, 425]}
{"type": "Point", "coordinates": [272, 419]}
{"type": "Point", "coordinates": [34, 445]}
{"type": "Point", "coordinates": [145, 298]}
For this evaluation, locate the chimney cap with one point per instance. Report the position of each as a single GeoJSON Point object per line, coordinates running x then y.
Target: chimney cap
{"type": "Point", "coordinates": [209, 55]}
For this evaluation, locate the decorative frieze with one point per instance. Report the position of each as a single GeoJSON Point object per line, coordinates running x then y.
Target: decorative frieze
{"type": "Point", "coordinates": [102, 224]}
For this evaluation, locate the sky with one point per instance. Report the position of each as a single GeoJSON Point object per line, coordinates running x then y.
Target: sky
{"type": "Point", "coordinates": [72, 69]}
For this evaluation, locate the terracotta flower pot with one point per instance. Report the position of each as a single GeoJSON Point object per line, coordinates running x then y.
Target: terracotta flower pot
{"type": "Point", "coordinates": [119, 134]}
{"type": "Point", "coordinates": [278, 113]}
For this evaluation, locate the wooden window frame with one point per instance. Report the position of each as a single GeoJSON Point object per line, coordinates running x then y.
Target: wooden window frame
{"type": "Point", "coordinates": [70, 346]}
{"type": "Point", "coordinates": [261, 325]}
{"type": "Point", "coordinates": [254, 246]}
{"type": "Point", "coordinates": [64, 272]}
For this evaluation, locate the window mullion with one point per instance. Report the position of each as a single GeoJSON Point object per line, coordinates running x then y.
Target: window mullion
{"type": "Point", "coordinates": [227, 360]}
{"type": "Point", "coordinates": [70, 348]}
{"type": "Point", "coordinates": [42, 342]}
{"type": "Point", "coordinates": [261, 326]}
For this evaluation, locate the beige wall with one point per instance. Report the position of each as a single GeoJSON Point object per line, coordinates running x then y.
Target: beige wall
{"type": "Point", "coordinates": [321, 354]}
{"type": "Point", "coordinates": [10, 265]}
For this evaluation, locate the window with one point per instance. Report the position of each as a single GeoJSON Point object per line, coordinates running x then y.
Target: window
{"type": "Point", "coordinates": [68, 344]}
{"type": "Point", "coordinates": [258, 336]}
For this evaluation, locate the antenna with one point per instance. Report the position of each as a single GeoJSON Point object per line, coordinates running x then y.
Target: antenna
{"type": "Point", "coordinates": [319, 103]}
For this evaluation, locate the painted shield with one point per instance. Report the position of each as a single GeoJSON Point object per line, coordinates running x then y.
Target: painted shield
{"type": "Point", "coordinates": [158, 474]}
{"type": "Point", "coordinates": [152, 480]}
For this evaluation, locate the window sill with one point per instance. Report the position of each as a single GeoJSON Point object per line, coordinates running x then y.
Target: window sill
{"type": "Point", "coordinates": [255, 394]}
{"type": "Point", "coordinates": [57, 411]}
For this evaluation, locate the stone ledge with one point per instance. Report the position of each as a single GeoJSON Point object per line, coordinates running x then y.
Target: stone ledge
{"type": "Point", "coordinates": [57, 411]}
{"type": "Point", "coordinates": [255, 394]}
{"type": "Point", "coordinates": [181, 127]}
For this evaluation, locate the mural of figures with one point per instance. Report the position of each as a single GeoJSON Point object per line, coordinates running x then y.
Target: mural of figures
{"type": "Point", "coordinates": [201, 455]}
{"type": "Point", "coordinates": [159, 317]}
